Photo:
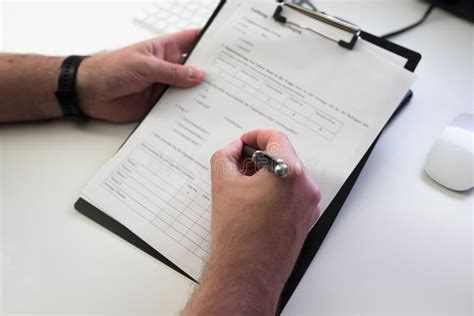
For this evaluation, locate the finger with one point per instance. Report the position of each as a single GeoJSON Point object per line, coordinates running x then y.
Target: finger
{"type": "Point", "coordinates": [182, 76]}
{"type": "Point", "coordinates": [272, 141]}
{"type": "Point", "coordinates": [225, 163]}
{"type": "Point", "coordinates": [184, 40]}
{"type": "Point", "coordinates": [276, 144]}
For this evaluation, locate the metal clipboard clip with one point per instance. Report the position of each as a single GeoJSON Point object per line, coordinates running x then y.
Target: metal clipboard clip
{"type": "Point", "coordinates": [322, 17]}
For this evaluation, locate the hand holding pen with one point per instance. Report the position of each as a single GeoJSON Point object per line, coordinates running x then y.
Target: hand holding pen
{"type": "Point", "coordinates": [269, 217]}
{"type": "Point", "coordinates": [263, 159]}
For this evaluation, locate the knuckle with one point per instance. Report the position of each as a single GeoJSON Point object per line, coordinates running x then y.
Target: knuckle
{"type": "Point", "coordinates": [317, 193]}
{"type": "Point", "coordinates": [214, 156]}
{"type": "Point", "coordinates": [217, 156]}
{"type": "Point", "coordinates": [219, 166]}
{"type": "Point", "coordinates": [312, 192]}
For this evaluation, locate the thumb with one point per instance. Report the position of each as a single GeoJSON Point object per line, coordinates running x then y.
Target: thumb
{"type": "Point", "coordinates": [225, 162]}
{"type": "Point", "coordinates": [182, 76]}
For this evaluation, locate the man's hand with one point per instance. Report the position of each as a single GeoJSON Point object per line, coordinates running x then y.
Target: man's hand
{"type": "Point", "coordinates": [118, 86]}
{"type": "Point", "coordinates": [259, 224]}
{"type": "Point", "coordinates": [121, 86]}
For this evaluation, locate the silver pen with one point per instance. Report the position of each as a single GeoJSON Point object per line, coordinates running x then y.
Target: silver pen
{"type": "Point", "coordinates": [263, 159]}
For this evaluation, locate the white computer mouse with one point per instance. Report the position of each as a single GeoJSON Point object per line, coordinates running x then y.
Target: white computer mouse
{"type": "Point", "coordinates": [451, 160]}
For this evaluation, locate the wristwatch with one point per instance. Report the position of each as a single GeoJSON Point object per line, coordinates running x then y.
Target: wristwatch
{"type": "Point", "coordinates": [66, 93]}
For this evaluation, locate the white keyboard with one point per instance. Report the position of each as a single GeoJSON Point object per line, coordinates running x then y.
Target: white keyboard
{"type": "Point", "coordinates": [168, 16]}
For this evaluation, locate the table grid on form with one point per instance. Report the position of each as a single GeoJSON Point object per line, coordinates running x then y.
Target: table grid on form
{"type": "Point", "coordinates": [254, 82]}
{"type": "Point", "coordinates": [173, 204]}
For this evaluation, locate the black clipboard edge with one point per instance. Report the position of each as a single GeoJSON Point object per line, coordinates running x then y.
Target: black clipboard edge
{"type": "Point", "coordinates": [92, 212]}
{"type": "Point", "coordinates": [413, 58]}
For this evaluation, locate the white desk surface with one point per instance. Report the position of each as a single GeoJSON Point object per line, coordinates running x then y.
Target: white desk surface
{"type": "Point", "coordinates": [401, 245]}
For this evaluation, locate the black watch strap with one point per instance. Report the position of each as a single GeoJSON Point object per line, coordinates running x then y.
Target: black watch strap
{"type": "Point", "coordinates": [66, 93]}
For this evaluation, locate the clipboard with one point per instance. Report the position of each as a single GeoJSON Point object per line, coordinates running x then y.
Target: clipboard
{"type": "Point", "coordinates": [317, 234]}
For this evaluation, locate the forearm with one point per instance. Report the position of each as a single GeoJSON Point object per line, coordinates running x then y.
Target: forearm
{"type": "Point", "coordinates": [236, 290]}
{"type": "Point", "coordinates": [27, 86]}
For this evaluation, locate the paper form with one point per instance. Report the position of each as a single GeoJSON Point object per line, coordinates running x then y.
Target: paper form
{"type": "Point", "coordinates": [331, 102]}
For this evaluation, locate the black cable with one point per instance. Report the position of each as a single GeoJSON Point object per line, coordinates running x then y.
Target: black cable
{"type": "Point", "coordinates": [411, 26]}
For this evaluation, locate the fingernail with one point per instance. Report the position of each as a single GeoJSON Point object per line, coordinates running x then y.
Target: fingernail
{"type": "Point", "coordinates": [195, 74]}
